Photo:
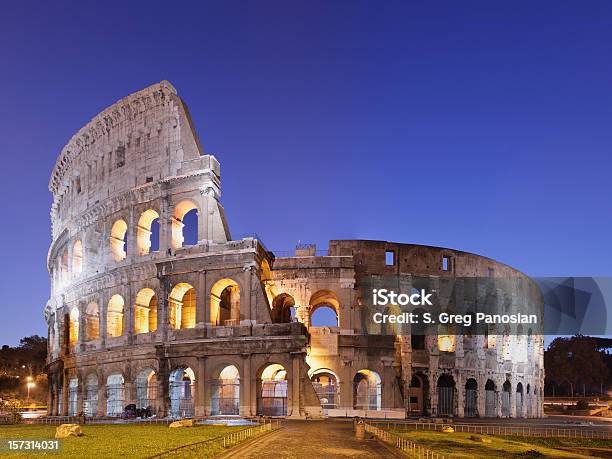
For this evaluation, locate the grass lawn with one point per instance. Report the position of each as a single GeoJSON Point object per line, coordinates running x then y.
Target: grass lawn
{"type": "Point", "coordinates": [133, 441]}
{"type": "Point", "coordinates": [459, 445]}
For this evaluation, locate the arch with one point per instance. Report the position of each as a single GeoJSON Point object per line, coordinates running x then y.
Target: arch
{"type": "Point", "coordinates": [283, 308]}
{"type": "Point", "coordinates": [114, 316]}
{"type": "Point", "coordinates": [92, 321]}
{"type": "Point", "coordinates": [225, 398]}
{"type": "Point", "coordinates": [182, 310]}
{"type": "Point", "coordinates": [418, 390]}
{"type": "Point", "coordinates": [182, 386]}
{"type": "Point", "coordinates": [64, 270]}
{"type": "Point", "coordinates": [144, 230]}
{"type": "Point", "coordinates": [225, 303]}
{"type": "Point", "coordinates": [447, 338]}
{"type": "Point", "coordinates": [446, 395]}
{"type": "Point", "coordinates": [418, 331]}
{"type": "Point", "coordinates": [272, 393]}
{"type": "Point", "coordinates": [118, 240]}
{"type": "Point", "coordinates": [326, 385]}
{"type": "Point", "coordinates": [506, 391]}
{"type": "Point", "coordinates": [471, 398]}
{"type": "Point", "coordinates": [146, 389]}
{"type": "Point", "coordinates": [519, 400]}
{"type": "Point", "coordinates": [145, 311]}
{"type": "Point", "coordinates": [115, 394]}
{"type": "Point", "coordinates": [73, 392]}
{"type": "Point", "coordinates": [77, 258]}
{"type": "Point", "coordinates": [367, 390]}
{"type": "Point", "coordinates": [73, 327]}
{"type": "Point", "coordinates": [178, 226]}
{"type": "Point", "coordinates": [490, 399]}
{"type": "Point", "coordinates": [90, 401]}
{"type": "Point", "coordinates": [323, 298]}
{"type": "Point", "coordinates": [324, 316]}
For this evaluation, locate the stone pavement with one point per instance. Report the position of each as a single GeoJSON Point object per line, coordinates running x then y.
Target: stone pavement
{"type": "Point", "coordinates": [313, 439]}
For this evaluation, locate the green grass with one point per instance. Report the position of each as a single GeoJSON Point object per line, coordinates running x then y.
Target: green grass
{"type": "Point", "coordinates": [111, 441]}
{"type": "Point", "coordinates": [459, 445]}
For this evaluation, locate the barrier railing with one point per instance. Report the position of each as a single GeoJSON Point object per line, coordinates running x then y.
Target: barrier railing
{"type": "Point", "coordinates": [202, 449]}
{"type": "Point", "coordinates": [490, 429]}
{"type": "Point", "coordinates": [402, 443]}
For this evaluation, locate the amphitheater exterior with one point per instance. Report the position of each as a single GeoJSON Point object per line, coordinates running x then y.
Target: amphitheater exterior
{"type": "Point", "coordinates": [220, 327]}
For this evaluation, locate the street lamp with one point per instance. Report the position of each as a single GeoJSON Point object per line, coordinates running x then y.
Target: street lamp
{"type": "Point", "coordinates": [29, 386]}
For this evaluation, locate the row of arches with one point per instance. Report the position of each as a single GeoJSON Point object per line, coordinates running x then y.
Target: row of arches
{"type": "Point", "coordinates": [182, 300]}
{"type": "Point", "coordinates": [183, 229]}
{"type": "Point", "coordinates": [476, 403]}
{"type": "Point", "coordinates": [323, 309]}
{"type": "Point", "coordinates": [110, 396]}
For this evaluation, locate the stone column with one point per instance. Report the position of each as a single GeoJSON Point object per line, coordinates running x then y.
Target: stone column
{"type": "Point", "coordinates": [460, 391]}
{"type": "Point", "coordinates": [128, 319]}
{"type": "Point", "coordinates": [201, 300]}
{"type": "Point", "coordinates": [247, 403]}
{"type": "Point", "coordinates": [202, 404]}
{"type": "Point", "coordinates": [293, 401]}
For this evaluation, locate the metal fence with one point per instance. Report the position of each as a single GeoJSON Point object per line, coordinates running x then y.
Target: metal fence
{"type": "Point", "coordinates": [202, 449]}
{"type": "Point", "coordinates": [471, 402]}
{"type": "Point", "coordinates": [402, 443]}
{"type": "Point", "coordinates": [488, 429]}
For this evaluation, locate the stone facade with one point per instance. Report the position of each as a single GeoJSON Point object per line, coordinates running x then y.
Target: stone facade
{"type": "Point", "coordinates": [222, 326]}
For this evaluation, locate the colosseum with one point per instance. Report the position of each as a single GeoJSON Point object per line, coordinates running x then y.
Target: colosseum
{"type": "Point", "coordinates": [141, 315]}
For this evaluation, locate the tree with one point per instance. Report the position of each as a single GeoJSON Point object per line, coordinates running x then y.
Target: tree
{"type": "Point", "coordinates": [578, 363]}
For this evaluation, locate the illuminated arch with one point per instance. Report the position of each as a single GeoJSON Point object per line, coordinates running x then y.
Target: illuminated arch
{"type": "Point", "coordinates": [272, 393]}
{"type": "Point", "coordinates": [73, 327]}
{"type": "Point", "coordinates": [324, 298]}
{"type": "Point", "coordinates": [182, 307]}
{"type": "Point", "coordinates": [144, 230]}
{"type": "Point", "coordinates": [118, 240]}
{"type": "Point", "coordinates": [182, 386]}
{"type": "Point", "coordinates": [326, 385]}
{"type": "Point", "coordinates": [77, 258]}
{"type": "Point", "coordinates": [225, 398]}
{"type": "Point", "coordinates": [145, 311]}
{"type": "Point", "coordinates": [225, 303]}
{"type": "Point", "coordinates": [180, 210]}
{"type": "Point", "coordinates": [114, 316]}
{"type": "Point", "coordinates": [92, 321]}
{"type": "Point", "coordinates": [367, 390]}
{"type": "Point", "coordinates": [283, 308]}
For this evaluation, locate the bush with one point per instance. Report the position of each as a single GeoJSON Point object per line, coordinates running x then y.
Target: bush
{"type": "Point", "coordinates": [11, 408]}
{"type": "Point", "coordinates": [582, 405]}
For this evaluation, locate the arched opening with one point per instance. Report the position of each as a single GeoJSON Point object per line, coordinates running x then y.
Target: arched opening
{"type": "Point", "coordinates": [324, 309]}
{"type": "Point", "coordinates": [92, 322]}
{"type": "Point", "coordinates": [184, 224]}
{"type": "Point", "coordinates": [118, 240]}
{"type": "Point", "coordinates": [64, 272]}
{"type": "Point", "coordinates": [225, 303]}
{"type": "Point", "coordinates": [506, 389]}
{"type": "Point", "coordinates": [73, 391]}
{"type": "Point", "coordinates": [324, 316]}
{"type": "Point", "coordinates": [182, 385]}
{"type": "Point", "coordinates": [144, 232]}
{"type": "Point", "coordinates": [367, 391]}
{"type": "Point", "coordinates": [325, 384]}
{"type": "Point", "coordinates": [226, 392]}
{"type": "Point", "coordinates": [283, 309]}
{"type": "Point", "coordinates": [145, 311]}
{"type": "Point", "coordinates": [447, 338]}
{"type": "Point", "coordinates": [77, 258]}
{"type": "Point", "coordinates": [471, 398]}
{"type": "Point", "coordinates": [418, 330]}
{"type": "Point", "coordinates": [146, 390]}
{"type": "Point", "coordinates": [490, 399]}
{"type": "Point", "coordinates": [272, 393]}
{"type": "Point", "coordinates": [446, 395]}
{"type": "Point", "coordinates": [529, 407]}
{"type": "Point", "coordinates": [90, 402]}
{"type": "Point", "coordinates": [73, 328]}
{"type": "Point", "coordinates": [182, 307]}
{"type": "Point", "coordinates": [114, 316]}
{"type": "Point", "coordinates": [519, 400]}
{"type": "Point", "coordinates": [115, 394]}
{"type": "Point", "coordinates": [417, 394]}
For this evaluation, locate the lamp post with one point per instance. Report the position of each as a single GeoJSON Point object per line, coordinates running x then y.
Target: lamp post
{"type": "Point", "coordinates": [30, 385]}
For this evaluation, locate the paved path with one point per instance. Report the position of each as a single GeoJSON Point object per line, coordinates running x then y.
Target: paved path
{"type": "Point", "coordinates": [312, 439]}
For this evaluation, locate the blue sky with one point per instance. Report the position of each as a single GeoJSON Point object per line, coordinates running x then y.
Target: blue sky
{"type": "Point", "coordinates": [483, 126]}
